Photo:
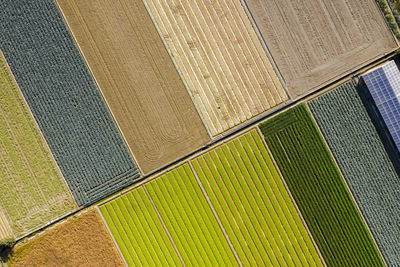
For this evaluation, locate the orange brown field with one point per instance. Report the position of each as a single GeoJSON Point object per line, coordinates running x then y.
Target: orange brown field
{"type": "Point", "coordinates": [315, 42]}
{"type": "Point", "coordinates": [137, 78]}
{"type": "Point", "coordinates": [78, 241]}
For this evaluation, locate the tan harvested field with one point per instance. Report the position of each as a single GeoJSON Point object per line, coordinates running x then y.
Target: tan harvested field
{"type": "Point", "coordinates": [137, 78]}
{"type": "Point", "coordinates": [80, 241]}
{"type": "Point", "coordinates": [220, 59]}
{"type": "Point", "coordinates": [5, 227]}
{"type": "Point", "coordinates": [316, 41]}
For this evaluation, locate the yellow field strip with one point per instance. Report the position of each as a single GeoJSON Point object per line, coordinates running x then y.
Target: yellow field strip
{"type": "Point", "coordinates": [220, 59]}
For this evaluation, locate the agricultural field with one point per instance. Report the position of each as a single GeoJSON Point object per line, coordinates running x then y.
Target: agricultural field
{"type": "Point", "coordinates": [195, 237]}
{"type": "Point", "coordinates": [316, 42]}
{"type": "Point", "coordinates": [319, 190]}
{"type": "Point", "coordinates": [253, 205]}
{"type": "Point", "coordinates": [365, 165]}
{"type": "Point", "coordinates": [220, 59]}
{"type": "Point", "coordinates": [32, 190]}
{"type": "Point", "coordinates": [202, 213]}
{"type": "Point", "coordinates": [64, 100]}
{"type": "Point", "coordinates": [391, 15]}
{"type": "Point", "coordinates": [79, 241]}
{"type": "Point", "coordinates": [137, 78]}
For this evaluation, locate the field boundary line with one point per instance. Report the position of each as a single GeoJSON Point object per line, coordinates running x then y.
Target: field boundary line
{"type": "Point", "coordinates": [49, 152]}
{"type": "Point", "coordinates": [291, 196]}
{"type": "Point", "coordinates": [177, 70]}
{"type": "Point", "coordinates": [264, 45]}
{"type": "Point", "coordinates": [215, 214]}
{"type": "Point", "coordinates": [386, 22]}
{"type": "Point", "coordinates": [111, 235]}
{"type": "Point", "coordinates": [345, 182]}
{"type": "Point", "coordinates": [163, 224]}
{"type": "Point", "coordinates": [46, 146]}
{"type": "Point", "coordinates": [99, 89]}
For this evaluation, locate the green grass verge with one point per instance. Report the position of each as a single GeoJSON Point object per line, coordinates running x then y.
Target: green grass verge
{"type": "Point", "coordinates": [319, 190]}
{"type": "Point", "coordinates": [389, 16]}
{"type": "Point", "coordinates": [32, 192]}
{"type": "Point", "coordinates": [253, 205]}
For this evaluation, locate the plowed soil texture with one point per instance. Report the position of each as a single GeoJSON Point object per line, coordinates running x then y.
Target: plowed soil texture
{"type": "Point", "coordinates": [315, 42]}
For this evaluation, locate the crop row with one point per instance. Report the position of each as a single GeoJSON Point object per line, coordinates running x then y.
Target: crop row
{"type": "Point", "coordinates": [32, 192]}
{"type": "Point", "coordinates": [65, 100]}
{"type": "Point", "coordinates": [318, 189]}
{"type": "Point", "coordinates": [224, 207]}
{"type": "Point", "coordinates": [361, 156]}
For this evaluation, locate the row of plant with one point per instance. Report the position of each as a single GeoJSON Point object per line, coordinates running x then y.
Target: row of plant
{"type": "Point", "coordinates": [319, 190]}
{"type": "Point", "coordinates": [32, 192]}
{"type": "Point", "coordinates": [389, 16]}
{"type": "Point", "coordinates": [226, 207]}
{"type": "Point", "coordinates": [364, 162]}
{"type": "Point", "coordinates": [65, 100]}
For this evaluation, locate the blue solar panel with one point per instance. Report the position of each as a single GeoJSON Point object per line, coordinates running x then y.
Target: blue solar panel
{"type": "Point", "coordinates": [384, 86]}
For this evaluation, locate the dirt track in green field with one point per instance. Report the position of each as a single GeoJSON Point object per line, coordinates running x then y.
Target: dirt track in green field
{"type": "Point", "coordinates": [319, 190]}
{"type": "Point", "coordinates": [226, 207]}
{"type": "Point", "coordinates": [32, 191]}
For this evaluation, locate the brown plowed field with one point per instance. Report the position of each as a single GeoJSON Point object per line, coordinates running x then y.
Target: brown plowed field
{"type": "Point", "coordinates": [80, 241]}
{"type": "Point", "coordinates": [220, 59]}
{"type": "Point", "coordinates": [316, 41]}
{"type": "Point", "coordinates": [137, 78]}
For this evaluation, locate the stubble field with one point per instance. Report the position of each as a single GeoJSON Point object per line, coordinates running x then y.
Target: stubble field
{"type": "Point", "coordinates": [79, 241]}
{"type": "Point", "coordinates": [314, 42]}
{"type": "Point", "coordinates": [220, 58]}
{"type": "Point", "coordinates": [137, 78]}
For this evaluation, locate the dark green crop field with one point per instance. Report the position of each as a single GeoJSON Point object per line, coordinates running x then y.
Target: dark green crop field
{"type": "Point", "coordinates": [365, 165]}
{"type": "Point", "coordinates": [65, 100]}
{"type": "Point", "coordinates": [318, 189]}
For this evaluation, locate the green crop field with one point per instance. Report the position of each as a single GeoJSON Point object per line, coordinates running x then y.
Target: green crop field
{"type": "Point", "coordinates": [253, 205]}
{"type": "Point", "coordinates": [243, 214]}
{"type": "Point", "coordinates": [319, 190]}
{"type": "Point", "coordinates": [184, 213]}
{"type": "Point", "coordinates": [32, 192]}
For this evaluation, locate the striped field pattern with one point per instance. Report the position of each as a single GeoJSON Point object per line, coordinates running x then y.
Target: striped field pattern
{"type": "Point", "coordinates": [211, 212]}
{"type": "Point", "coordinates": [32, 190]}
{"type": "Point", "coordinates": [185, 214]}
{"type": "Point", "coordinates": [365, 165]}
{"type": "Point", "coordinates": [253, 205]}
{"type": "Point", "coordinates": [319, 190]}
{"type": "Point", "coordinates": [220, 59]}
{"type": "Point", "coordinates": [64, 100]}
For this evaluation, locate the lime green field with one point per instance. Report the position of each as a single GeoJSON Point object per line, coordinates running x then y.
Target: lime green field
{"type": "Point", "coordinates": [227, 207]}
{"type": "Point", "coordinates": [32, 191]}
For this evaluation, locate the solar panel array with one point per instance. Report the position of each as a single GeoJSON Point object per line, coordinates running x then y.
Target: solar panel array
{"type": "Point", "coordinates": [384, 86]}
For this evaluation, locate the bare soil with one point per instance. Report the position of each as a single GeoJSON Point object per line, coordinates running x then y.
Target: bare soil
{"type": "Point", "coordinates": [137, 78]}
{"type": "Point", "coordinates": [80, 241]}
{"type": "Point", "coordinates": [314, 42]}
